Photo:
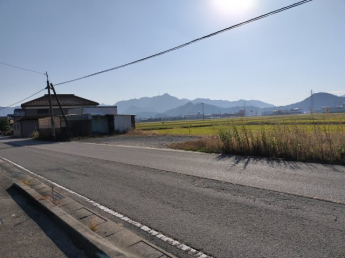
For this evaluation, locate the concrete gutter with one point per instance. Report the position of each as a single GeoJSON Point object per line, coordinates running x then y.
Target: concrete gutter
{"type": "Point", "coordinates": [96, 235]}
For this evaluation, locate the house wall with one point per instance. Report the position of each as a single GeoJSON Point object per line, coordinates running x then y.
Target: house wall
{"type": "Point", "coordinates": [46, 123]}
{"type": "Point", "coordinates": [79, 125]}
{"type": "Point", "coordinates": [28, 127]}
{"type": "Point", "coordinates": [19, 112]}
{"type": "Point", "coordinates": [75, 111]}
{"type": "Point", "coordinates": [104, 110]}
{"type": "Point", "coordinates": [100, 124]}
{"type": "Point", "coordinates": [42, 112]}
{"type": "Point", "coordinates": [17, 129]}
{"type": "Point", "coordinates": [123, 123]}
{"type": "Point", "coordinates": [80, 128]}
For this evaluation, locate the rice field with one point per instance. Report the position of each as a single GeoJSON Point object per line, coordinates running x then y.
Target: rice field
{"type": "Point", "coordinates": [319, 137]}
{"type": "Point", "coordinates": [212, 127]}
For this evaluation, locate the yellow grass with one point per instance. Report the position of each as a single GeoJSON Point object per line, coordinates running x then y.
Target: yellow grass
{"type": "Point", "coordinates": [318, 138]}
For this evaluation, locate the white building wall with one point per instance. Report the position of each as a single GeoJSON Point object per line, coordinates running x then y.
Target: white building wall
{"type": "Point", "coordinates": [122, 123]}
{"type": "Point", "coordinates": [75, 111]}
{"type": "Point", "coordinates": [103, 110]}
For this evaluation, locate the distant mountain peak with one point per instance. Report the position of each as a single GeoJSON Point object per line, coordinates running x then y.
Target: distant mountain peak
{"type": "Point", "coordinates": [160, 103]}
{"type": "Point", "coordinates": [318, 100]}
{"type": "Point", "coordinates": [163, 103]}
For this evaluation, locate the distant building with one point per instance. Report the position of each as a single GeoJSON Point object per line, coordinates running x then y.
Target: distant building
{"type": "Point", "coordinates": [338, 109]}
{"type": "Point", "coordinates": [84, 117]}
{"type": "Point", "coordinates": [105, 119]}
{"type": "Point", "coordinates": [296, 111]}
{"type": "Point", "coordinates": [242, 112]}
{"type": "Point", "coordinates": [292, 111]}
{"type": "Point", "coordinates": [267, 113]}
{"type": "Point", "coordinates": [214, 116]}
{"type": "Point", "coordinates": [26, 119]}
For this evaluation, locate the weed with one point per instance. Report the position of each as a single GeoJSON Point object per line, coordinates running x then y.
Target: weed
{"type": "Point", "coordinates": [140, 132]}
{"type": "Point", "coordinates": [35, 135]}
{"type": "Point", "coordinates": [27, 182]}
{"type": "Point", "coordinates": [92, 225]}
{"type": "Point", "coordinates": [341, 151]}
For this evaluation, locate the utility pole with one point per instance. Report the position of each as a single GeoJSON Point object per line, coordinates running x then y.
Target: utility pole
{"type": "Point", "coordinates": [312, 102]}
{"type": "Point", "coordinates": [62, 112]}
{"type": "Point", "coordinates": [244, 108]}
{"type": "Point", "coordinates": [203, 113]}
{"type": "Point", "coordinates": [51, 109]}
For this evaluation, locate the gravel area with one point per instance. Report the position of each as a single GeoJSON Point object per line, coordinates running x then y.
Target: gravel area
{"type": "Point", "coordinates": [153, 141]}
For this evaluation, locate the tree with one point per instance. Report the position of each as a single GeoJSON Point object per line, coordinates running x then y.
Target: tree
{"type": "Point", "coordinates": [5, 125]}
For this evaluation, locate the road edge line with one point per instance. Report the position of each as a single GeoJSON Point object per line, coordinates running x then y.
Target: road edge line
{"type": "Point", "coordinates": [182, 247]}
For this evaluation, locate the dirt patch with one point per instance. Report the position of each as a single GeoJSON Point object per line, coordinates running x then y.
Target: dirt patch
{"type": "Point", "coordinates": [153, 141]}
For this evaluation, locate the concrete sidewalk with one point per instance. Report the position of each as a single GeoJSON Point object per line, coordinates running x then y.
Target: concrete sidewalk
{"type": "Point", "coordinates": [26, 232]}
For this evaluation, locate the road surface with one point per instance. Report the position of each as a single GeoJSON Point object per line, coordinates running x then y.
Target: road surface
{"type": "Point", "coordinates": [223, 206]}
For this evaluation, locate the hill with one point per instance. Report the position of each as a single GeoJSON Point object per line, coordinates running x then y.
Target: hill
{"type": "Point", "coordinates": [169, 106]}
{"type": "Point", "coordinates": [319, 100]}
{"type": "Point", "coordinates": [150, 104]}
{"type": "Point", "coordinates": [238, 103]}
{"type": "Point", "coordinates": [163, 104]}
{"type": "Point", "coordinates": [7, 110]}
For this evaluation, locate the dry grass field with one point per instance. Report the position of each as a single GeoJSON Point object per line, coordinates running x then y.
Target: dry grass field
{"type": "Point", "coordinates": [318, 137]}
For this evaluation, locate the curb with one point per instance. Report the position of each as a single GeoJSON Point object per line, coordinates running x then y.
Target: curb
{"type": "Point", "coordinates": [106, 239]}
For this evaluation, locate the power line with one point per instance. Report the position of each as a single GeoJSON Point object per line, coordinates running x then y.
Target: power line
{"type": "Point", "coordinates": [21, 68]}
{"type": "Point", "coordinates": [1, 108]}
{"type": "Point", "coordinates": [160, 53]}
{"type": "Point", "coordinates": [191, 42]}
{"type": "Point", "coordinates": [23, 99]}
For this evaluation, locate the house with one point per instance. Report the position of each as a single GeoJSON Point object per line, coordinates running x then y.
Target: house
{"type": "Point", "coordinates": [105, 119]}
{"type": "Point", "coordinates": [26, 119]}
{"type": "Point", "coordinates": [79, 125]}
{"type": "Point", "coordinates": [84, 117]}
{"type": "Point", "coordinates": [86, 121]}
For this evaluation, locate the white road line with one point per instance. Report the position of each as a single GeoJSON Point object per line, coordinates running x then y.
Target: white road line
{"type": "Point", "coordinates": [149, 230]}
{"type": "Point", "coordinates": [141, 147]}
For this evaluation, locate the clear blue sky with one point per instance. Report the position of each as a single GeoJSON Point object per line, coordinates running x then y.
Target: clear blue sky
{"type": "Point", "coordinates": [277, 60]}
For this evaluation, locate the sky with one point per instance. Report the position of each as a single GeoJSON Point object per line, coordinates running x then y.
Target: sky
{"type": "Point", "coordinates": [278, 60]}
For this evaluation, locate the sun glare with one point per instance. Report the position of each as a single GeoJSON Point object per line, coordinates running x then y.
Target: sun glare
{"type": "Point", "coordinates": [233, 6]}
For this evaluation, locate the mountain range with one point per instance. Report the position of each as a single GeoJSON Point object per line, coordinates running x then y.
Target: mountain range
{"type": "Point", "coordinates": [4, 111]}
{"type": "Point", "coordinates": [170, 106]}
{"type": "Point", "coordinates": [317, 100]}
{"type": "Point", "coordinates": [166, 105]}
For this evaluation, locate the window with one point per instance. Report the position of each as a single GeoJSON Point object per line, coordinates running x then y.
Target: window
{"type": "Point", "coordinates": [42, 111]}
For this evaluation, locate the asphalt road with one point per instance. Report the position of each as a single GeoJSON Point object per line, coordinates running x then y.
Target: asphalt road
{"type": "Point", "coordinates": [224, 206]}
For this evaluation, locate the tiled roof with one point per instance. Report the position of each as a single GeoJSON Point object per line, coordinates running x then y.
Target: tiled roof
{"type": "Point", "coordinates": [65, 100]}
